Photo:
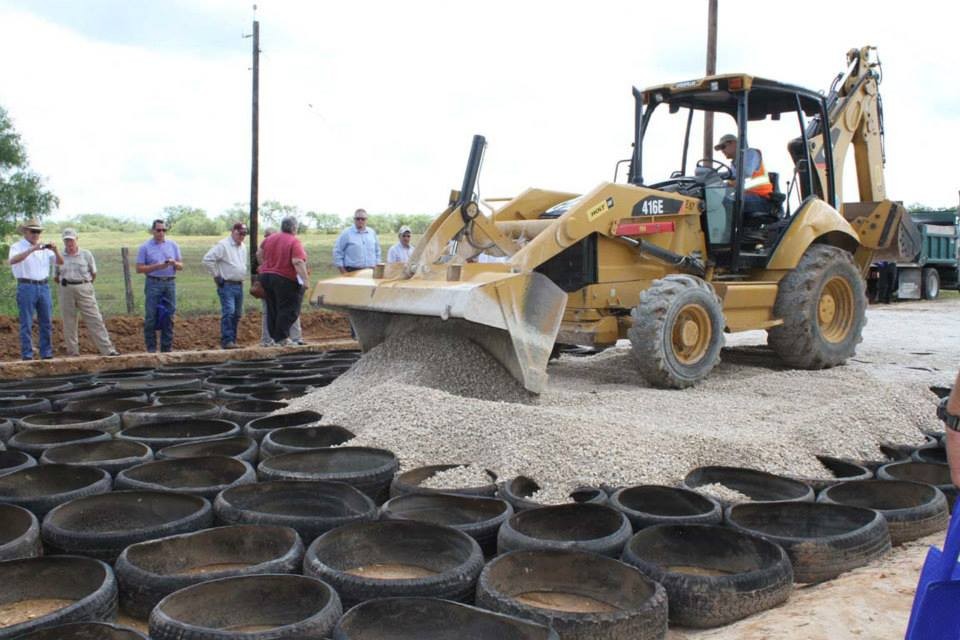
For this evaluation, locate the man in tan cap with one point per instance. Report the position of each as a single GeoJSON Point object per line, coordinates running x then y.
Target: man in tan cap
{"type": "Point", "coordinates": [75, 279]}
{"type": "Point", "coordinates": [30, 260]}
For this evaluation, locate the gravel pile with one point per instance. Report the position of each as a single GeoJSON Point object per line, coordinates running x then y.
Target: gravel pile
{"type": "Point", "coordinates": [464, 477]}
{"type": "Point", "coordinates": [554, 494]}
{"type": "Point", "coordinates": [723, 493]}
{"type": "Point", "coordinates": [433, 400]}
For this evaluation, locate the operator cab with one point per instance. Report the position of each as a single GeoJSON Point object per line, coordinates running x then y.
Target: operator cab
{"type": "Point", "coordinates": [742, 229]}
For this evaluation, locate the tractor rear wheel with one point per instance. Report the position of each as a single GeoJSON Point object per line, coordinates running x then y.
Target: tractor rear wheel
{"type": "Point", "coordinates": [677, 331]}
{"type": "Point", "coordinates": [823, 306]}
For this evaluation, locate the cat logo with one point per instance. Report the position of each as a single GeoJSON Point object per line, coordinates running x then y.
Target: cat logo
{"type": "Point", "coordinates": [599, 209]}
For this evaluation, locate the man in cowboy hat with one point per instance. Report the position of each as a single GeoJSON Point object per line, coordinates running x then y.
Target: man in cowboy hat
{"type": "Point", "coordinates": [30, 261]}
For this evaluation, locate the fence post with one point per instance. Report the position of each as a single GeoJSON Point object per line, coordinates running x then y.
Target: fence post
{"type": "Point", "coordinates": [128, 286]}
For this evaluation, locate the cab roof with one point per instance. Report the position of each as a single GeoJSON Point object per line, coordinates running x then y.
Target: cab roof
{"type": "Point", "coordinates": [720, 93]}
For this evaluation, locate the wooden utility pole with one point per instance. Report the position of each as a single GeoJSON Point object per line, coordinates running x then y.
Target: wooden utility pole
{"type": "Point", "coordinates": [255, 152]}
{"type": "Point", "coordinates": [127, 285]}
{"type": "Point", "coordinates": [711, 70]}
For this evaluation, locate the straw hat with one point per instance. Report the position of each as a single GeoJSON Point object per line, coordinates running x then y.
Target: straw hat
{"type": "Point", "coordinates": [32, 223]}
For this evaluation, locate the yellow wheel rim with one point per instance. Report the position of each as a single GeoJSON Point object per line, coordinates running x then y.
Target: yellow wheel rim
{"type": "Point", "coordinates": [691, 334]}
{"type": "Point", "coordinates": [835, 310]}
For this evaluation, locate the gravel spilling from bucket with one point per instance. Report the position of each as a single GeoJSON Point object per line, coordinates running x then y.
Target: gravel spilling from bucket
{"type": "Point", "coordinates": [431, 401]}
{"type": "Point", "coordinates": [463, 477]}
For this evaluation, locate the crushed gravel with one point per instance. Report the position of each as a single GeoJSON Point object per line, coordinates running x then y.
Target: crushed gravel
{"type": "Point", "coordinates": [723, 493]}
{"type": "Point", "coordinates": [462, 477]}
{"type": "Point", "coordinates": [440, 399]}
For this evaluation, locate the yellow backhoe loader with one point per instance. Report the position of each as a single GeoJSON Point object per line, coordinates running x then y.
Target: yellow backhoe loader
{"type": "Point", "coordinates": [670, 264]}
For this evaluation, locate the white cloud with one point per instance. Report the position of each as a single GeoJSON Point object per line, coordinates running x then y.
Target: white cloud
{"type": "Point", "coordinates": [397, 89]}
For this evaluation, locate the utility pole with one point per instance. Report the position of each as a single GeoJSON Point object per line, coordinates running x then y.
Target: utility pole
{"type": "Point", "coordinates": [711, 70]}
{"type": "Point", "coordinates": [255, 151]}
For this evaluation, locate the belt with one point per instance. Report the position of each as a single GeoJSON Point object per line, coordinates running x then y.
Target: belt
{"type": "Point", "coordinates": [233, 281]}
{"type": "Point", "coordinates": [66, 282]}
{"type": "Point", "coordinates": [352, 269]}
{"type": "Point", "coordinates": [162, 277]}
{"type": "Point", "coordinates": [29, 281]}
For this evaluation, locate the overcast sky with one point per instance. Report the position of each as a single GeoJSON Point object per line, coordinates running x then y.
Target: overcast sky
{"type": "Point", "coordinates": [127, 106]}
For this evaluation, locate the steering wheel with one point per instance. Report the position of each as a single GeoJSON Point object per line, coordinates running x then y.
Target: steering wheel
{"type": "Point", "coordinates": [714, 165]}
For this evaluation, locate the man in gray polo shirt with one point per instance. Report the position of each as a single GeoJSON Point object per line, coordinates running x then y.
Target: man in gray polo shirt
{"type": "Point", "coordinates": [227, 263]}
{"type": "Point", "coordinates": [75, 283]}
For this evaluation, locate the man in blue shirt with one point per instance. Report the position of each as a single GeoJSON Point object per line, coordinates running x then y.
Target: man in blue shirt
{"type": "Point", "coordinates": [357, 247]}
{"type": "Point", "coordinates": [159, 259]}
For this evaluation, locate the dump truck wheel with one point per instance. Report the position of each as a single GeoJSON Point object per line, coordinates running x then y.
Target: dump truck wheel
{"type": "Point", "coordinates": [931, 283]}
{"type": "Point", "coordinates": [823, 306]}
{"type": "Point", "coordinates": [677, 331]}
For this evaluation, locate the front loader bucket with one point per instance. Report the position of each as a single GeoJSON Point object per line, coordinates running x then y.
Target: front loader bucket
{"type": "Point", "coordinates": [514, 316]}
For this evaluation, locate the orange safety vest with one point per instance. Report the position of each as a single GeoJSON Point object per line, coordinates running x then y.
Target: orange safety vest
{"type": "Point", "coordinates": [759, 182]}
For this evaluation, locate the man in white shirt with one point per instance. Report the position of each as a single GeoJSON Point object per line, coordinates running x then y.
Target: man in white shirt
{"type": "Point", "coordinates": [30, 260]}
{"type": "Point", "coordinates": [401, 251]}
{"type": "Point", "coordinates": [227, 263]}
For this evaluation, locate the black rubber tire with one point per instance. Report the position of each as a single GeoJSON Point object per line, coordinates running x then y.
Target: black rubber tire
{"type": "Point", "coordinates": [730, 575]}
{"type": "Point", "coordinates": [579, 527]}
{"type": "Point", "coordinates": [912, 509]}
{"type": "Point", "coordinates": [91, 390]}
{"type": "Point", "coordinates": [409, 482]}
{"type": "Point", "coordinates": [109, 401]}
{"type": "Point", "coordinates": [36, 441]}
{"type": "Point", "coordinates": [310, 508]}
{"type": "Point", "coordinates": [6, 430]}
{"type": "Point", "coordinates": [173, 396]}
{"type": "Point", "coordinates": [117, 406]}
{"type": "Point", "coordinates": [19, 407]}
{"type": "Point", "coordinates": [102, 526]}
{"type": "Point", "coordinates": [517, 491]}
{"type": "Point", "coordinates": [203, 476]}
{"type": "Point", "coordinates": [13, 461]}
{"type": "Point", "coordinates": [19, 533]}
{"type": "Point", "coordinates": [259, 427]}
{"type": "Point", "coordinates": [639, 605]}
{"type": "Point", "coordinates": [276, 396]}
{"type": "Point", "coordinates": [292, 439]}
{"type": "Point", "coordinates": [244, 391]}
{"type": "Point", "coordinates": [843, 471]}
{"type": "Point", "coordinates": [174, 412]}
{"type": "Point", "coordinates": [647, 505]}
{"type": "Point", "coordinates": [243, 411]}
{"type": "Point", "coordinates": [85, 631]}
{"type": "Point", "coordinates": [433, 618]}
{"type": "Point", "coordinates": [758, 485]}
{"type": "Point", "coordinates": [88, 582]}
{"type": "Point", "coordinates": [42, 487]}
{"type": "Point", "coordinates": [306, 383]}
{"type": "Point", "coordinates": [655, 329]}
{"type": "Point", "coordinates": [33, 387]}
{"type": "Point", "coordinates": [453, 557]}
{"type": "Point", "coordinates": [930, 283]}
{"type": "Point", "coordinates": [930, 453]}
{"type": "Point", "coordinates": [147, 572]}
{"type": "Point", "coordinates": [149, 385]}
{"type": "Point", "coordinates": [366, 468]}
{"type": "Point", "coordinates": [799, 341]}
{"type": "Point", "coordinates": [113, 456]}
{"type": "Point", "coordinates": [479, 517]}
{"type": "Point", "coordinates": [822, 540]}
{"type": "Point", "coordinates": [931, 473]}
{"type": "Point", "coordinates": [100, 420]}
{"type": "Point", "coordinates": [164, 434]}
{"type": "Point", "coordinates": [221, 382]}
{"type": "Point", "coordinates": [239, 447]}
{"type": "Point", "coordinates": [293, 607]}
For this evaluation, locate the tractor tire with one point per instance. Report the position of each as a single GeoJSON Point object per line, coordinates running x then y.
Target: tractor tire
{"type": "Point", "coordinates": [677, 331]}
{"type": "Point", "coordinates": [823, 306]}
{"type": "Point", "coordinates": [930, 283]}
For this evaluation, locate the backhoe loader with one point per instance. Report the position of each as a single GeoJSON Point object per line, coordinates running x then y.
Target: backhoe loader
{"type": "Point", "coordinates": [671, 264]}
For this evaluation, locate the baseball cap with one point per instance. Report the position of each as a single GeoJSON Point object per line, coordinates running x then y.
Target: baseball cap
{"type": "Point", "coordinates": [728, 137]}
{"type": "Point", "coordinates": [404, 229]}
{"type": "Point", "coordinates": [239, 226]}
{"type": "Point", "coordinates": [69, 234]}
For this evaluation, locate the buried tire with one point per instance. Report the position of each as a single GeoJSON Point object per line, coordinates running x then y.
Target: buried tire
{"type": "Point", "coordinates": [677, 331]}
{"type": "Point", "coordinates": [713, 575]}
{"type": "Point", "coordinates": [822, 303]}
{"type": "Point", "coordinates": [912, 509]}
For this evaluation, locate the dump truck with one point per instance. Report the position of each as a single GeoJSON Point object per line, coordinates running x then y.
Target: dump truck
{"type": "Point", "coordinates": [670, 262]}
{"type": "Point", "coordinates": [936, 266]}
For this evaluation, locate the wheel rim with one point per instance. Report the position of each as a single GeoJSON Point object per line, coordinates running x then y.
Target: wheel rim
{"type": "Point", "coordinates": [835, 310]}
{"type": "Point", "coordinates": [691, 334]}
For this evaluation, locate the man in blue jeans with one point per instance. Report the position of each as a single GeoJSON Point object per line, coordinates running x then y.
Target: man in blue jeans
{"type": "Point", "coordinates": [227, 263]}
{"type": "Point", "coordinates": [159, 259]}
{"type": "Point", "coordinates": [30, 261]}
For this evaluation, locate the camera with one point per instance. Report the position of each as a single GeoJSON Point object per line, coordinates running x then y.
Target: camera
{"type": "Point", "coordinates": [48, 245]}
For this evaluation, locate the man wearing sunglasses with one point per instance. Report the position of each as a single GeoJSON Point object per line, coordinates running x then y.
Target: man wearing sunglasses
{"type": "Point", "coordinates": [30, 261]}
{"type": "Point", "coordinates": [227, 263]}
{"type": "Point", "coordinates": [159, 260]}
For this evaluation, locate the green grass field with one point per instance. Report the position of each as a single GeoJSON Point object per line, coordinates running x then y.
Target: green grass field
{"type": "Point", "coordinates": [196, 293]}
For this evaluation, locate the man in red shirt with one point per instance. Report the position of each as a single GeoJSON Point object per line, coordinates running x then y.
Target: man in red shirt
{"type": "Point", "coordinates": [283, 274]}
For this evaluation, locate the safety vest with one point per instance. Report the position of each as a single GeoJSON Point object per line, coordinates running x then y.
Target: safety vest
{"type": "Point", "coordinates": [759, 182]}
